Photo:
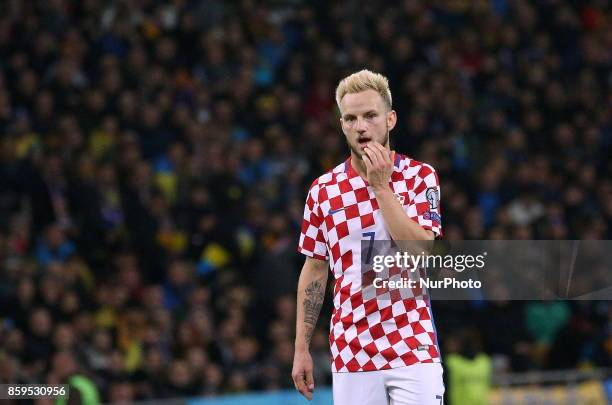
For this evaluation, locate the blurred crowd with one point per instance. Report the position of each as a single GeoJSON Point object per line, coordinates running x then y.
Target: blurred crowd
{"type": "Point", "coordinates": [155, 157]}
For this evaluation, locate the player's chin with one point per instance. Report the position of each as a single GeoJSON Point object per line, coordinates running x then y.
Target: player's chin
{"type": "Point", "coordinates": [360, 148]}
{"type": "Point", "coordinates": [357, 151]}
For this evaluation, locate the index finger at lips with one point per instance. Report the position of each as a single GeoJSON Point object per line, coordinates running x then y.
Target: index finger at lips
{"type": "Point", "coordinates": [375, 148]}
{"type": "Point", "coordinates": [373, 154]}
{"type": "Point", "coordinates": [367, 161]}
{"type": "Point", "coordinates": [369, 156]}
{"type": "Point", "coordinates": [384, 153]}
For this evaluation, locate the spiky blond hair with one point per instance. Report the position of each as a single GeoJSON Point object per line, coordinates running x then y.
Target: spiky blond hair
{"type": "Point", "coordinates": [362, 81]}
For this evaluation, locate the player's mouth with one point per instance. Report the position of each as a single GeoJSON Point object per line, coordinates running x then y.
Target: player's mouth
{"type": "Point", "coordinates": [363, 141]}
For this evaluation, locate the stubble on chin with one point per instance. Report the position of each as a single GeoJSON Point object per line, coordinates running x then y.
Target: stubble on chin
{"type": "Point", "coordinates": [357, 152]}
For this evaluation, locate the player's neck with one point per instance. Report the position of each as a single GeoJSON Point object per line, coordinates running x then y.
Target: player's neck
{"type": "Point", "coordinates": [358, 165]}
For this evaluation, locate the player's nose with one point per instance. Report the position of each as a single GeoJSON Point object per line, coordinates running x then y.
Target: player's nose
{"type": "Point", "coordinates": [360, 125]}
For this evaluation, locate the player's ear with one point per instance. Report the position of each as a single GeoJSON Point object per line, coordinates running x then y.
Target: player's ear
{"type": "Point", "coordinates": [391, 119]}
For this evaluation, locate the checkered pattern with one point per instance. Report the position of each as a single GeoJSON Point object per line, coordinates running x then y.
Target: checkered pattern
{"type": "Point", "coordinates": [370, 334]}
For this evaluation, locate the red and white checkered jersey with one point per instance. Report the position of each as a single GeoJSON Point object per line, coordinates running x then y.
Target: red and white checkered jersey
{"type": "Point", "coordinates": [370, 334]}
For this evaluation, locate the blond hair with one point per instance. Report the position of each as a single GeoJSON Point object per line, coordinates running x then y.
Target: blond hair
{"type": "Point", "coordinates": [362, 81]}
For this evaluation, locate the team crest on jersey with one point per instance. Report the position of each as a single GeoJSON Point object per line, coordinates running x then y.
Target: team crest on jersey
{"type": "Point", "coordinates": [433, 197]}
{"type": "Point", "coordinates": [400, 198]}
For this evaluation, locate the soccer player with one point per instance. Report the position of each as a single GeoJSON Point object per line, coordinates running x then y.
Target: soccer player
{"type": "Point", "coordinates": [383, 352]}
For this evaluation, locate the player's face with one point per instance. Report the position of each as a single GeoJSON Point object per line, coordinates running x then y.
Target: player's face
{"type": "Point", "coordinates": [365, 119]}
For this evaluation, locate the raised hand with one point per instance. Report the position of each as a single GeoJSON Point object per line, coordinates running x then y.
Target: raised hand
{"type": "Point", "coordinates": [379, 164]}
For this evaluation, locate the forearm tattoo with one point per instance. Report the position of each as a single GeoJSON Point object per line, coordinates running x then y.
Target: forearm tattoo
{"type": "Point", "coordinates": [313, 300]}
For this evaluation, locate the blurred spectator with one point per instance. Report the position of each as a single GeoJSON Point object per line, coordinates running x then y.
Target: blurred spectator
{"type": "Point", "coordinates": [66, 371]}
{"type": "Point", "coordinates": [54, 246]}
{"type": "Point", "coordinates": [469, 370]}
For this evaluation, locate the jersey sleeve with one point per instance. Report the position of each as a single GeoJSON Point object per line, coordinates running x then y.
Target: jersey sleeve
{"type": "Point", "coordinates": [312, 241]}
{"type": "Point", "coordinates": [426, 204]}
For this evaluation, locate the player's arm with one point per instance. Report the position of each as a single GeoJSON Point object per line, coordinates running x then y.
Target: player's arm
{"type": "Point", "coordinates": [401, 227]}
{"type": "Point", "coordinates": [379, 166]}
{"type": "Point", "coordinates": [310, 295]}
